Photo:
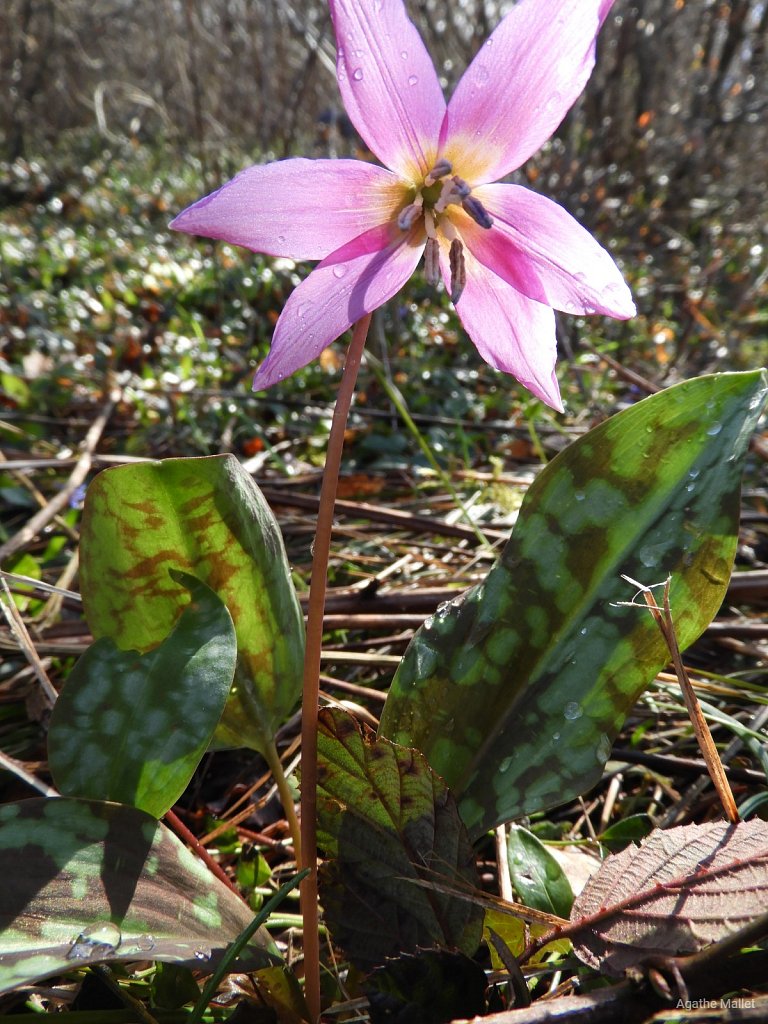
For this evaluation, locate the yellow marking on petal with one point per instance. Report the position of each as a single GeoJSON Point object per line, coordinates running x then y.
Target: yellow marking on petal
{"type": "Point", "coordinates": [471, 157]}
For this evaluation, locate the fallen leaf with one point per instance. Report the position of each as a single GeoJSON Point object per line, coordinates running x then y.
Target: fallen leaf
{"type": "Point", "coordinates": [679, 891]}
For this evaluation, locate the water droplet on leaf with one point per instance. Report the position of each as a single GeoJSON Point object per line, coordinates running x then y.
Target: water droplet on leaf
{"type": "Point", "coordinates": [715, 429]}
{"type": "Point", "coordinates": [202, 953]}
{"type": "Point", "coordinates": [95, 942]}
{"type": "Point", "coordinates": [572, 711]}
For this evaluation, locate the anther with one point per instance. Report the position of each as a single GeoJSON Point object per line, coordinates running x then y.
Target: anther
{"type": "Point", "coordinates": [432, 261]}
{"type": "Point", "coordinates": [477, 212]}
{"type": "Point", "coordinates": [409, 215]}
{"type": "Point", "coordinates": [454, 191]}
{"type": "Point", "coordinates": [441, 168]}
{"type": "Point", "coordinates": [458, 270]}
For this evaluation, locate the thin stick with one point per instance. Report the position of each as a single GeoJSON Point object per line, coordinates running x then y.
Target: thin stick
{"type": "Point", "coordinates": [181, 830]}
{"type": "Point", "coordinates": [315, 613]}
{"type": "Point", "coordinates": [699, 722]}
{"type": "Point", "coordinates": [59, 501]}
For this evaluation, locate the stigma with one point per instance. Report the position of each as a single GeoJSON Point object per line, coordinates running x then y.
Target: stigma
{"type": "Point", "coordinates": [440, 190]}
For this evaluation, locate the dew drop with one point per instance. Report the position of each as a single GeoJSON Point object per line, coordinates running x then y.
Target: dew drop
{"type": "Point", "coordinates": [572, 711]}
{"type": "Point", "coordinates": [505, 765]}
{"type": "Point", "coordinates": [357, 74]}
{"type": "Point", "coordinates": [603, 751]}
{"type": "Point", "coordinates": [584, 630]}
{"type": "Point", "coordinates": [95, 942]}
{"type": "Point", "coordinates": [715, 429]}
{"type": "Point", "coordinates": [555, 737]}
{"type": "Point", "coordinates": [413, 80]}
{"type": "Point", "coordinates": [145, 943]}
{"type": "Point", "coordinates": [404, 54]}
{"type": "Point", "coordinates": [202, 953]}
{"type": "Point", "coordinates": [579, 495]}
{"type": "Point", "coordinates": [340, 270]}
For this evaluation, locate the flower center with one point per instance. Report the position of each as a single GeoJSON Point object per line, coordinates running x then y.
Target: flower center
{"type": "Point", "coordinates": [441, 189]}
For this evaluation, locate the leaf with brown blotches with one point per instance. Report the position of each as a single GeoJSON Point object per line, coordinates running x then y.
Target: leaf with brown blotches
{"type": "Point", "coordinates": [679, 891]}
{"type": "Point", "coordinates": [388, 822]}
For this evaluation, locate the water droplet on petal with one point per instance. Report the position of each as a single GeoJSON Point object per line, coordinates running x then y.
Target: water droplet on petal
{"type": "Point", "coordinates": [413, 80]}
{"type": "Point", "coordinates": [357, 74]}
{"type": "Point", "coordinates": [572, 711]}
{"type": "Point", "coordinates": [340, 270]}
{"type": "Point", "coordinates": [404, 54]}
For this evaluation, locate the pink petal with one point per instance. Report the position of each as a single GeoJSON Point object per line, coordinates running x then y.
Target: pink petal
{"type": "Point", "coordinates": [352, 281]}
{"type": "Point", "coordinates": [511, 332]}
{"type": "Point", "coordinates": [521, 84]}
{"type": "Point", "coordinates": [538, 248]}
{"type": "Point", "coordinates": [388, 83]}
{"type": "Point", "coordinates": [301, 209]}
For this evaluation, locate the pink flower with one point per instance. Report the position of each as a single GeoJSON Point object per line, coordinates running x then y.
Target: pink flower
{"type": "Point", "coordinates": [506, 254]}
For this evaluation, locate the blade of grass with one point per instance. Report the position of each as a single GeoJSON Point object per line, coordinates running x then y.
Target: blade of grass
{"type": "Point", "coordinates": [234, 950]}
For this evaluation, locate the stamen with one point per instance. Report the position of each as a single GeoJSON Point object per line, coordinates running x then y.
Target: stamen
{"type": "Point", "coordinates": [460, 186]}
{"type": "Point", "coordinates": [432, 261]}
{"type": "Point", "coordinates": [454, 191]}
{"type": "Point", "coordinates": [441, 168]}
{"type": "Point", "coordinates": [458, 270]}
{"type": "Point", "coordinates": [477, 212]}
{"type": "Point", "coordinates": [410, 214]}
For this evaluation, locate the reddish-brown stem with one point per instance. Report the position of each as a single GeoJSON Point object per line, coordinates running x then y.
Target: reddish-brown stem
{"type": "Point", "coordinates": [315, 613]}
{"type": "Point", "coordinates": [181, 830]}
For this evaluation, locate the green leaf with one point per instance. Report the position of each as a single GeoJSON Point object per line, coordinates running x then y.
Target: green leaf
{"type": "Point", "coordinates": [207, 517]}
{"type": "Point", "coordinates": [628, 830]}
{"type": "Point", "coordinates": [536, 875]}
{"type": "Point", "coordinates": [388, 822]}
{"type": "Point", "coordinates": [516, 691]}
{"type": "Point", "coordinates": [132, 728]}
{"type": "Point", "coordinates": [85, 881]}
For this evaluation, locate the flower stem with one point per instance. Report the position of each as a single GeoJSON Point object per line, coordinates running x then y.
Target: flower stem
{"type": "Point", "coordinates": [315, 614]}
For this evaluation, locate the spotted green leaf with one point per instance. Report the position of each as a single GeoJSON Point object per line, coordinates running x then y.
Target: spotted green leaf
{"type": "Point", "coordinates": [387, 822]}
{"type": "Point", "coordinates": [206, 517]}
{"type": "Point", "coordinates": [85, 881]}
{"type": "Point", "coordinates": [516, 691]}
{"type": "Point", "coordinates": [132, 727]}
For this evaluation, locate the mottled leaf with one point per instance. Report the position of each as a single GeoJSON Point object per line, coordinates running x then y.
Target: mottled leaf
{"type": "Point", "coordinates": [132, 727]}
{"type": "Point", "coordinates": [431, 987]}
{"type": "Point", "coordinates": [207, 517]}
{"type": "Point", "coordinates": [85, 881]}
{"type": "Point", "coordinates": [537, 877]}
{"type": "Point", "coordinates": [679, 891]}
{"type": "Point", "coordinates": [387, 821]}
{"type": "Point", "coordinates": [516, 691]}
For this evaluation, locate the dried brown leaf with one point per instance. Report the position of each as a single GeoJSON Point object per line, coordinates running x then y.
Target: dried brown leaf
{"type": "Point", "coordinates": [679, 891]}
